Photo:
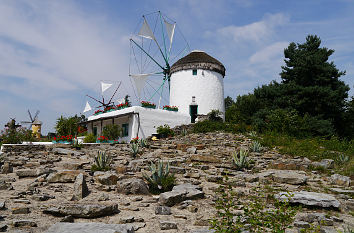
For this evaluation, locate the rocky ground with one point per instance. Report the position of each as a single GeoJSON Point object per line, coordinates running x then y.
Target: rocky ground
{"type": "Point", "coordinates": [45, 189]}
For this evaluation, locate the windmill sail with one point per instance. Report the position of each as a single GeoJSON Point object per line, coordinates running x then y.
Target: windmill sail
{"type": "Point", "coordinates": [121, 101]}
{"type": "Point", "coordinates": [170, 28]}
{"type": "Point", "coordinates": [139, 80]}
{"type": "Point", "coordinates": [105, 86]}
{"type": "Point", "coordinates": [87, 107]}
{"type": "Point", "coordinates": [145, 31]}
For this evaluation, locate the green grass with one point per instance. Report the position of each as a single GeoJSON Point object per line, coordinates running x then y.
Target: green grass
{"type": "Point", "coordinates": [314, 148]}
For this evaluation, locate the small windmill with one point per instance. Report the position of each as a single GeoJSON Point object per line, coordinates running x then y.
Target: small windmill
{"type": "Point", "coordinates": [34, 124]}
{"type": "Point", "coordinates": [110, 103]}
{"type": "Point", "coordinates": [12, 124]}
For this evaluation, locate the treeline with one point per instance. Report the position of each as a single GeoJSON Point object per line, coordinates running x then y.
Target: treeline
{"type": "Point", "coordinates": [310, 100]}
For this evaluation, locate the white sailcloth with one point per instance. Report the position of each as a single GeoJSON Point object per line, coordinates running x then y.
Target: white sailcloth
{"type": "Point", "coordinates": [139, 80]}
{"type": "Point", "coordinates": [170, 28]}
{"type": "Point", "coordinates": [105, 86]}
{"type": "Point", "coordinates": [146, 32]}
{"type": "Point", "coordinates": [121, 101]}
{"type": "Point", "coordinates": [87, 107]}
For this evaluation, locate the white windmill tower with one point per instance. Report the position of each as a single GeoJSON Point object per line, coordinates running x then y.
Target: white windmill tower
{"type": "Point", "coordinates": [197, 84]}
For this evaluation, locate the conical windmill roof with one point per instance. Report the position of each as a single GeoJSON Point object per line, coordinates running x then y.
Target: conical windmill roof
{"type": "Point", "coordinates": [36, 122]}
{"type": "Point", "coordinates": [198, 60]}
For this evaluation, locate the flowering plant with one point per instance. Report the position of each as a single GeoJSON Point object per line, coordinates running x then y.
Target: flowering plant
{"type": "Point", "coordinates": [68, 138]}
{"type": "Point", "coordinates": [109, 108]}
{"type": "Point", "coordinates": [102, 139]}
{"type": "Point", "coordinates": [170, 108]}
{"type": "Point", "coordinates": [98, 112]}
{"type": "Point", "coordinates": [134, 140]}
{"type": "Point", "coordinates": [81, 129]}
{"type": "Point", "coordinates": [123, 105]}
{"type": "Point", "coordinates": [148, 104]}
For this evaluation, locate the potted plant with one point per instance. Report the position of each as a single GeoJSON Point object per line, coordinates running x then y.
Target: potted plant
{"type": "Point", "coordinates": [170, 108]}
{"type": "Point", "coordinates": [123, 105]}
{"type": "Point", "coordinates": [97, 112]}
{"type": "Point", "coordinates": [147, 104]}
{"type": "Point", "coordinates": [109, 109]}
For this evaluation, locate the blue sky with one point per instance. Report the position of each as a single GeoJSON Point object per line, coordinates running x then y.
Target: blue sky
{"type": "Point", "coordinates": [52, 53]}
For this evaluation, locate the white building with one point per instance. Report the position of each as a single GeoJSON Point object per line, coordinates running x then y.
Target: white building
{"type": "Point", "coordinates": [197, 77]}
{"type": "Point", "coordinates": [196, 88]}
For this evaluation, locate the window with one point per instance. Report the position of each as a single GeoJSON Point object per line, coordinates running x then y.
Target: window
{"type": "Point", "coordinates": [194, 72]}
{"type": "Point", "coordinates": [125, 129]}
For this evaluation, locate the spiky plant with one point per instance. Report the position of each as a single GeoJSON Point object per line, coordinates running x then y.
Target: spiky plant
{"type": "Point", "coordinates": [256, 146]}
{"type": "Point", "coordinates": [160, 179]}
{"type": "Point", "coordinates": [184, 132]}
{"type": "Point", "coordinates": [252, 134]}
{"type": "Point", "coordinates": [134, 148]}
{"type": "Point", "coordinates": [241, 160]}
{"type": "Point", "coordinates": [103, 162]}
{"type": "Point", "coordinates": [143, 143]}
{"type": "Point", "coordinates": [343, 158]}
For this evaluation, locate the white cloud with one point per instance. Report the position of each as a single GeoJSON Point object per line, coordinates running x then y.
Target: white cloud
{"type": "Point", "coordinates": [57, 45]}
{"type": "Point", "coordinates": [269, 53]}
{"type": "Point", "coordinates": [257, 31]}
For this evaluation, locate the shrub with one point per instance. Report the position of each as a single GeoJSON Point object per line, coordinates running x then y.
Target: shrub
{"type": "Point", "coordinates": [165, 131]}
{"type": "Point", "coordinates": [208, 126]}
{"type": "Point", "coordinates": [16, 136]}
{"type": "Point", "coordinates": [68, 125]}
{"type": "Point", "coordinates": [90, 138]}
{"type": "Point", "coordinates": [112, 132]}
{"type": "Point", "coordinates": [160, 179]}
{"type": "Point", "coordinates": [103, 162]}
{"type": "Point", "coordinates": [262, 213]}
{"type": "Point", "coordinates": [215, 115]}
{"type": "Point", "coordinates": [241, 159]}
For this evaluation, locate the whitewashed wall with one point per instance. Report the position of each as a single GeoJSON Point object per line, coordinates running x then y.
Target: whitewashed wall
{"type": "Point", "coordinates": [150, 119]}
{"type": "Point", "coordinates": [207, 86]}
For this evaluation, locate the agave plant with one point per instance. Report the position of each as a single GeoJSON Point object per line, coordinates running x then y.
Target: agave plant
{"type": "Point", "coordinates": [241, 159]}
{"type": "Point", "coordinates": [252, 134]}
{"type": "Point", "coordinates": [343, 158]}
{"type": "Point", "coordinates": [256, 146]}
{"type": "Point", "coordinates": [103, 162]}
{"type": "Point", "coordinates": [134, 148]}
{"type": "Point", "coordinates": [143, 143]}
{"type": "Point", "coordinates": [160, 179]}
{"type": "Point", "coordinates": [184, 132]}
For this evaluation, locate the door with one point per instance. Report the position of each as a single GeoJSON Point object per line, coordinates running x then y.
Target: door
{"type": "Point", "coordinates": [193, 112]}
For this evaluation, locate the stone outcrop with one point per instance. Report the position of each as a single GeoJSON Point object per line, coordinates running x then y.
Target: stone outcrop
{"type": "Point", "coordinates": [132, 186]}
{"type": "Point", "coordinates": [83, 210]}
{"type": "Point", "coordinates": [65, 176]}
{"type": "Point", "coordinates": [90, 228]}
{"type": "Point", "coordinates": [310, 199]}
{"type": "Point", "coordinates": [80, 188]}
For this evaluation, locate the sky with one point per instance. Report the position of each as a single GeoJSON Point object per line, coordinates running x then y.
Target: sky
{"type": "Point", "coordinates": [53, 53]}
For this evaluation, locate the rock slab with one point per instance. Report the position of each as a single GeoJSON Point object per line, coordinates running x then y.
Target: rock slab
{"type": "Point", "coordinates": [80, 188]}
{"type": "Point", "coordinates": [132, 186]}
{"type": "Point", "coordinates": [62, 227]}
{"type": "Point", "coordinates": [310, 199]}
{"type": "Point", "coordinates": [83, 211]}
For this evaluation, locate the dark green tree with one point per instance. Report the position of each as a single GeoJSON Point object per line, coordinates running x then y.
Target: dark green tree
{"type": "Point", "coordinates": [311, 82]}
{"type": "Point", "coordinates": [228, 102]}
{"type": "Point", "coordinates": [126, 99]}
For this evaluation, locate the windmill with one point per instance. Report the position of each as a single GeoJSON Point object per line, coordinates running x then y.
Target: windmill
{"type": "Point", "coordinates": [34, 123]}
{"type": "Point", "coordinates": [105, 105]}
{"type": "Point", "coordinates": [12, 124]}
{"type": "Point", "coordinates": [152, 51]}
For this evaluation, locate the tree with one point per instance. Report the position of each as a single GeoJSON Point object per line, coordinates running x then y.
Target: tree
{"type": "Point", "coordinates": [67, 125]}
{"type": "Point", "coordinates": [127, 101]}
{"type": "Point", "coordinates": [228, 102]}
{"type": "Point", "coordinates": [311, 82]}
